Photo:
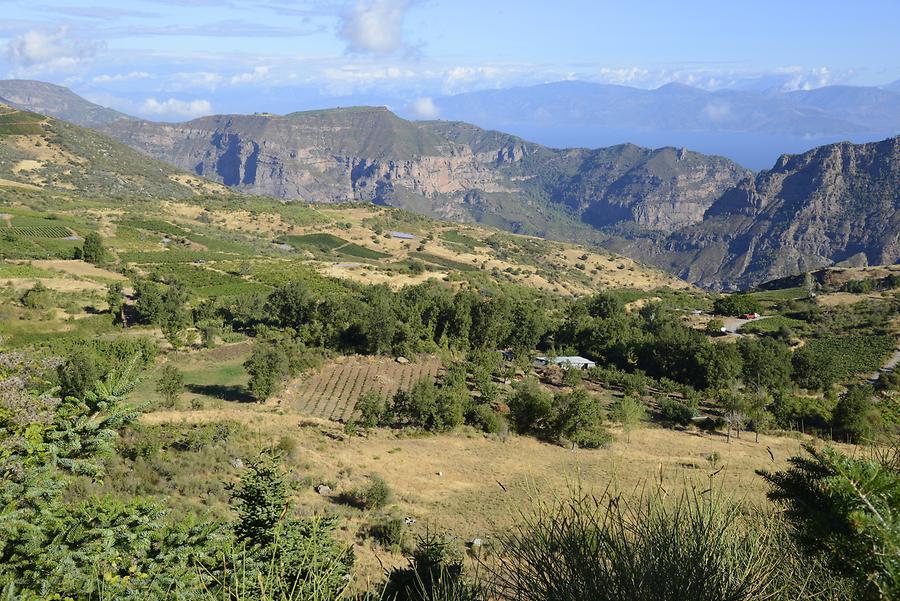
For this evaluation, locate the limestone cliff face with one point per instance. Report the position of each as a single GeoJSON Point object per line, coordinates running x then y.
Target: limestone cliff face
{"type": "Point", "coordinates": [837, 203]}
{"type": "Point", "coordinates": [663, 189]}
{"type": "Point", "coordinates": [449, 169]}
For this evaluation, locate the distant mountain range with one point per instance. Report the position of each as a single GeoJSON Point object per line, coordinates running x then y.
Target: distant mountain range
{"type": "Point", "coordinates": [702, 217]}
{"type": "Point", "coordinates": [751, 127]}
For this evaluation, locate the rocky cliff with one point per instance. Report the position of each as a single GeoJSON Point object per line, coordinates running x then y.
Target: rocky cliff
{"type": "Point", "coordinates": [448, 169]}
{"type": "Point", "coordinates": [837, 204]}
{"type": "Point", "coordinates": [701, 217]}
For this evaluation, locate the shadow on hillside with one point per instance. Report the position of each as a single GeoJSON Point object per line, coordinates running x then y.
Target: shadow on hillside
{"type": "Point", "coordinates": [235, 394]}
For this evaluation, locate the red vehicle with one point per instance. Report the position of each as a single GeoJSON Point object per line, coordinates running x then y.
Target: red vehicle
{"type": "Point", "coordinates": [750, 316]}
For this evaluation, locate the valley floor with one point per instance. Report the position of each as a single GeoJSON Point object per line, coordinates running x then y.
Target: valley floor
{"type": "Point", "coordinates": [474, 485]}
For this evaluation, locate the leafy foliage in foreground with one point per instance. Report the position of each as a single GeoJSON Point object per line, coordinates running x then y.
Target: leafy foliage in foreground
{"type": "Point", "coordinates": [103, 548]}
{"type": "Point", "coordinates": [848, 509]}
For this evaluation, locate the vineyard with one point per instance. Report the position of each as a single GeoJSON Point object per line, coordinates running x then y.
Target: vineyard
{"type": "Point", "coordinates": [329, 244]}
{"type": "Point", "coordinates": [333, 391]}
{"type": "Point", "coordinates": [46, 231]}
{"type": "Point", "coordinates": [852, 354]}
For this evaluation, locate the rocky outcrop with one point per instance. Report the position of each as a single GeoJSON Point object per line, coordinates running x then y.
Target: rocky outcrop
{"type": "Point", "coordinates": [369, 154]}
{"type": "Point", "coordinates": [701, 217]}
{"type": "Point", "coordinates": [837, 204]}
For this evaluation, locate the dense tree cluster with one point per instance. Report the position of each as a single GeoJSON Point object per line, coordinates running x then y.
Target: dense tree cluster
{"type": "Point", "coordinates": [753, 382]}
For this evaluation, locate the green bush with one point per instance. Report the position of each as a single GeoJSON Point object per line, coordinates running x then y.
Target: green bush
{"type": "Point", "coordinates": [675, 412]}
{"type": "Point", "coordinates": [735, 304]}
{"type": "Point", "coordinates": [375, 495]}
{"type": "Point", "coordinates": [371, 408]}
{"type": "Point", "coordinates": [170, 385]}
{"type": "Point", "coordinates": [435, 573]}
{"type": "Point", "coordinates": [37, 297]}
{"type": "Point", "coordinates": [388, 531]}
{"type": "Point", "coordinates": [485, 418]}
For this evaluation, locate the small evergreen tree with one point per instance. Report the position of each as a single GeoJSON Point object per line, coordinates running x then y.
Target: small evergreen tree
{"type": "Point", "coordinates": [629, 412]}
{"type": "Point", "coordinates": [170, 384]}
{"type": "Point", "coordinates": [856, 416]}
{"type": "Point", "coordinates": [174, 316]}
{"type": "Point", "coordinates": [115, 301]}
{"type": "Point", "coordinates": [92, 250]}
{"type": "Point", "coordinates": [371, 408]}
{"type": "Point", "coordinates": [77, 375]}
{"type": "Point", "coordinates": [579, 420]}
{"type": "Point", "coordinates": [268, 365]}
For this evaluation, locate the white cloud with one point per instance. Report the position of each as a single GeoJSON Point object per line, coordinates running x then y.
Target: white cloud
{"type": "Point", "coordinates": [425, 108]}
{"type": "Point", "coordinates": [258, 74]}
{"type": "Point", "coordinates": [375, 26]}
{"type": "Point", "coordinates": [192, 80]}
{"type": "Point", "coordinates": [622, 76]}
{"type": "Point", "coordinates": [176, 108]}
{"type": "Point", "coordinates": [120, 77]}
{"type": "Point", "coordinates": [717, 111]}
{"type": "Point", "coordinates": [803, 79]}
{"type": "Point", "coordinates": [457, 79]}
{"type": "Point", "coordinates": [49, 49]}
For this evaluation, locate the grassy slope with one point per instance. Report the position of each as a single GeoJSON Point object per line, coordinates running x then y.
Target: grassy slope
{"type": "Point", "coordinates": [49, 153]}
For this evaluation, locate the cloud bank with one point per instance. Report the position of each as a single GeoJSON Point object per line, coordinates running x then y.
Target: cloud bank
{"type": "Point", "coordinates": [50, 49]}
{"type": "Point", "coordinates": [375, 26]}
{"type": "Point", "coordinates": [176, 108]}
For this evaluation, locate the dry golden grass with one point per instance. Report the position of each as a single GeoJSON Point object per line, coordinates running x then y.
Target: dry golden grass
{"type": "Point", "coordinates": [6, 183]}
{"type": "Point", "coordinates": [473, 485]}
{"type": "Point", "coordinates": [359, 273]}
{"type": "Point", "coordinates": [26, 165]}
{"type": "Point", "coordinates": [835, 299]}
{"type": "Point", "coordinates": [78, 268]}
{"type": "Point", "coordinates": [60, 284]}
{"type": "Point", "coordinates": [198, 184]}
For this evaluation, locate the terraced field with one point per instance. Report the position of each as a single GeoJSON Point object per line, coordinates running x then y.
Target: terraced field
{"type": "Point", "coordinates": [333, 391]}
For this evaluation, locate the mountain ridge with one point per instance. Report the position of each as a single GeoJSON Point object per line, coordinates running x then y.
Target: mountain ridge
{"type": "Point", "coordinates": [701, 217]}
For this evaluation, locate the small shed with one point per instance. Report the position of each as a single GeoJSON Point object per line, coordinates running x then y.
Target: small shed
{"type": "Point", "coordinates": [572, 362]}
{"type": "Point", "coordinates": [402, 235]}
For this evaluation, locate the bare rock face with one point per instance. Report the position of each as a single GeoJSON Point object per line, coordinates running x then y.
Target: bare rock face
{"type": "Point", "coordinates": [837, 204]}
{"type": "Point", "coordinates": [452, 170]}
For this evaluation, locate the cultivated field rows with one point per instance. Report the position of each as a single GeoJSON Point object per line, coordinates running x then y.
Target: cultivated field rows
{"type": "Point", "coordinates": [332, 392]}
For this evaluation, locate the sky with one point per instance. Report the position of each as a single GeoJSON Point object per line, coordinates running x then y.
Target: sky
{"type": "Point", "coordinates": [177, 59]}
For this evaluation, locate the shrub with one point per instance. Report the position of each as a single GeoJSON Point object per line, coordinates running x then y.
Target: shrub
{"type": "Point", "coordinates": [846, 508]}
{"type": "Point", "coordinates": [856, 416]}
{"type": "Point", "coordinates": [579, 420]}
{"type": "Point", "coordinates": [435, 573]}
{"type": "Point", "coordinates": [735, 304]}
{"type": "Point", "coordinates": [36, 297]}
{"type": "Point", "coordinates": [376, 495]}
{"type": "Point", "coordinates": [371, 407]}
{"type": "Point", "coordinates": [629, 412]}
{"type": "Point", "coordinates": [287, 446]}
{"type": "Point", "coordinates": [77, 375]}
{"type": "Point", "coordinates": [530, 407]}
{"type": "Point", "coordinates": [696, 547]}
{"type": "Point", "coordinates": [92, 250]}
{"type": "Point", "coordinates": [388, 531]}
{"type": "Point", "coordinates": [676, 413]}
{"type": "Point", "coordinates": [425, 406]}
{"type": "Point", "coordinates": [484, 417]}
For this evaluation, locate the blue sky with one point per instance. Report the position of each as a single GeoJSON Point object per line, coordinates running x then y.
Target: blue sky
{"type": "Point", "coordinates": [175, 59]}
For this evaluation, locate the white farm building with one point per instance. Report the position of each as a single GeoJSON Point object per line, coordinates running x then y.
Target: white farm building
{"type": "Point", "coordinates": [573, 362]}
